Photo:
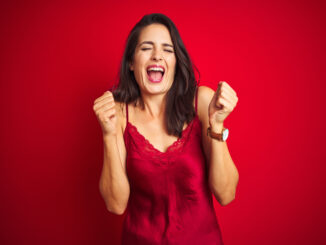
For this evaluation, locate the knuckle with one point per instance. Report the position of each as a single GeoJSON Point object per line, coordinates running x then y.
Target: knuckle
{"type": "Point", "coordinates": [111, 103]}
{"type": "Point", "coordinates": [111, 100]}
{"type": "Point", "coordinates": [101, 114]}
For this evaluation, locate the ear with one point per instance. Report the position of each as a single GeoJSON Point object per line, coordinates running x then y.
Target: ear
{"type": "Point", "coordinates": [131, 66]}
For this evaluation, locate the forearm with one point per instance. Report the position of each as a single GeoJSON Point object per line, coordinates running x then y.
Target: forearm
{"type": "Point", "coordinates": [114, 185]}
{"type": "Point", "coordinates": [223, 174]}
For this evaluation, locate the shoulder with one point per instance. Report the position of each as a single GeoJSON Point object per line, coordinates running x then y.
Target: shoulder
{"type": "Point", "coordinates": [205, 95]}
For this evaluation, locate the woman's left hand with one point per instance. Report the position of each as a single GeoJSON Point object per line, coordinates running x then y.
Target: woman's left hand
{"type": "Point", "coordinates": [222, 104]}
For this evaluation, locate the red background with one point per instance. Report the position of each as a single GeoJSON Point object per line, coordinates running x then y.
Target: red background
{"type": "Point", "coordinates": [57, 57]}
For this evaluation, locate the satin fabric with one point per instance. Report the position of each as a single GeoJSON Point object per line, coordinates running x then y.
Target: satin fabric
{"type": "Point", "coordinates": [170, 201]}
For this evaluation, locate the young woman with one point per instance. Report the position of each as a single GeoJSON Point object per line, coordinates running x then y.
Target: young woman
{"type": "Point", "coordinates": [164, 142]}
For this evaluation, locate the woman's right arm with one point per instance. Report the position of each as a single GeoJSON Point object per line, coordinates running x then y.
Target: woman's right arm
{"type": "Point", "coordinates": [114, 185]}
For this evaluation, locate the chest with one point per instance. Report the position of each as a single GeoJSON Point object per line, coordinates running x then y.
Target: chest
{"type": "Point", "coordinates": [156, 135]}
{"type": "Point", "coordinates": [182, 166]}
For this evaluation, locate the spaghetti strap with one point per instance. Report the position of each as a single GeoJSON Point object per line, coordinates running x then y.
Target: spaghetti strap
{"type": "Point", "coordinates": [196, 100]}
{"type": "Point", "coordinates": [127, 112]}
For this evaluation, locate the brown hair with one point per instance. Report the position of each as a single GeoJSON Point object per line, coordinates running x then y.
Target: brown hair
{"type": "Point", "coordinates": [179, 103]}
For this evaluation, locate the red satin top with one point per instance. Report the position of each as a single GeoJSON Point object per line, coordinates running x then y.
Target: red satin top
{"type": "Point", "coordinates": [170, 201]}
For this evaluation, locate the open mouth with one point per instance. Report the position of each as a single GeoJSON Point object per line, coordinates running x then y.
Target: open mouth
{"type": "Point", "coordinates": [155, 73]}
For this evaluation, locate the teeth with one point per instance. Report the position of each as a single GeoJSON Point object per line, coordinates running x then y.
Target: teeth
{"type": "Point", "coordinates": [155, 69]}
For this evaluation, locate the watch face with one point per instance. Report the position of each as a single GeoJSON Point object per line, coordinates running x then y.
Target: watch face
{"type": "Point", "coordinates": [225, 134]}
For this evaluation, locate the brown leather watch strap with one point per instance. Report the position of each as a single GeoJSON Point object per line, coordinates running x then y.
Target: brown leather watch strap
{"type": "Point", "coordinates": [213, 135]}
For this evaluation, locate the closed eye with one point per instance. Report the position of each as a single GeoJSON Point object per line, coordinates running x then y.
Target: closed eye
{"type": "Point", "coordinates": [167, 50]}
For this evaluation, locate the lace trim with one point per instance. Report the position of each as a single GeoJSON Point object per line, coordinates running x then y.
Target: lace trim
{"type": "Point", "coordinates": [152, 152]}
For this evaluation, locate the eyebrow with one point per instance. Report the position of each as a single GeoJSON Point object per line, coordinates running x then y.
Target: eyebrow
{"type": "Point", "coordinates": [151, 43]}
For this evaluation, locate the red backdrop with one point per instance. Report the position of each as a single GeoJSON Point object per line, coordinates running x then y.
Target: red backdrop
{"type": "Point", "coordinates": [57, 57]}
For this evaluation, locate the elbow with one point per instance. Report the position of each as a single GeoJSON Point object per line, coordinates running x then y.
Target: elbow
{"type": "Point", "coordinates": [115, 207]}
{"type": "Point", "coordinates": [226, 200]}
{"type": "Point", "coordinates": [114, 204]}
{"type": "Point", "coordinates": [116, 210]}
{"type": "Point", "coordinates": [226, 195]}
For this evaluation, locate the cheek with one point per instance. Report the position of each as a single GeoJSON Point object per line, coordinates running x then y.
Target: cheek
{"type": "Point", "coordinates": [173, 70]}
{"type": "Point", "coordinates": [138, 74]}
{"type": "Point", "coordinates": [172, 65]}
{"type": "Point", "coordinates": [139, 69]}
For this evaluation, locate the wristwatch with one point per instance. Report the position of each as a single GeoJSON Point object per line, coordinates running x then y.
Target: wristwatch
{"type": "Point", "coordinates": [220, 137]}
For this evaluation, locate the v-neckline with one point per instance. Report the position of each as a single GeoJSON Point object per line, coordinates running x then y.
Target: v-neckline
{"type": "Point", "coordinates": [171, 145]}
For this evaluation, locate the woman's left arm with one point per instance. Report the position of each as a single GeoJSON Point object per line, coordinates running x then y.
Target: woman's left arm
{"type": "Point", "coordinates": [213, 109]}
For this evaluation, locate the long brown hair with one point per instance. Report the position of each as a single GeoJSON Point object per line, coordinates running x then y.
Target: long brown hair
{"type": "Point", "coordinates": [179, 103]}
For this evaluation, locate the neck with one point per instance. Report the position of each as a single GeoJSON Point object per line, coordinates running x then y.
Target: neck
{"type": "Point", "coordinates": [154, 105]}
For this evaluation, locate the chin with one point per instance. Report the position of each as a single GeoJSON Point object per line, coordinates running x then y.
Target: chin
{"type": "Point", "coordinates": [156, 88]}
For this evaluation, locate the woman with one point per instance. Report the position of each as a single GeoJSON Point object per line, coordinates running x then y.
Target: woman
{"type": "Point", "coordinates": [160, 165]}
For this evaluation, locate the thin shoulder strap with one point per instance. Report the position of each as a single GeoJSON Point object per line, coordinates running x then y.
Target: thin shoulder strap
{"type": "Point", "coordinates": [127, 114]}
{"type": "Point", "coordinates": [196, 100]}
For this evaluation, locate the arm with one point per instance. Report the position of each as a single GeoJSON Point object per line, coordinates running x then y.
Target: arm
{"type": "Point", "coordinates": [223, 175]}
{"type": "Point", "coordinates": [113, 185]}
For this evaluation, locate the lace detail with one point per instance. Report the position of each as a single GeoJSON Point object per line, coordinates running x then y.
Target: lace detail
{"type": "Point", "coordinates": [144, 147]}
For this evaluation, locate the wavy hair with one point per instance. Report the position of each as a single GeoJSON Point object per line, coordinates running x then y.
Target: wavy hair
{"type": "Point", "coordinates": [179, 102]}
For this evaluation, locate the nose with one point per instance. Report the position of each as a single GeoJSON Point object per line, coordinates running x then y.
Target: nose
{"type": "Point", "coordinates": [157, 55]}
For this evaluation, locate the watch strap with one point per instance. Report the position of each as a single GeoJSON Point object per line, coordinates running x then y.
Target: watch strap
{"type": "Point", "coordinates": [214, 135]}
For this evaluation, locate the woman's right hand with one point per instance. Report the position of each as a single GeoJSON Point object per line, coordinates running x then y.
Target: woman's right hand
{"type": "Point", "coordinates": [104, 108]}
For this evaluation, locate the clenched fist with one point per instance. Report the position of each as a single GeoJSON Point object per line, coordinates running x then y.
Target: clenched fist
{"type": "Point", "coordinates": [222, 104]}
{"type": "Point", "coordinates": [104, 108]}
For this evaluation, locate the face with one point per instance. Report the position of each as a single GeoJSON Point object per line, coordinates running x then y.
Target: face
{"type": "Point", "coordinates": [154, 60]}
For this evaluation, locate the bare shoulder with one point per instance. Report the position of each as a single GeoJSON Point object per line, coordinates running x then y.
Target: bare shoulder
{"type": "Point", "coordinates": [204, 91]}
{"type": "Point", "coordinates": [205, 95]}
